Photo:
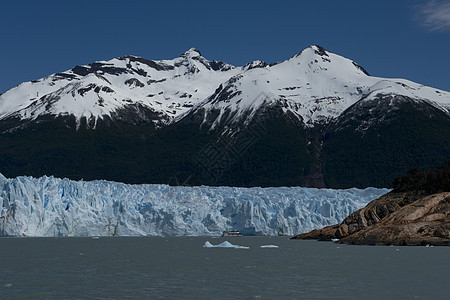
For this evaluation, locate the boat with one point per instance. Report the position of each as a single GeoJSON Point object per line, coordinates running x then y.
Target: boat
{"type": "Point", "coordinates": [231, 233]}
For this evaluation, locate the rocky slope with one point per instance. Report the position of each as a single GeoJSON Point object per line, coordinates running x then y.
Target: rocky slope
{"type": "Point", "coordinates": [398, 218]}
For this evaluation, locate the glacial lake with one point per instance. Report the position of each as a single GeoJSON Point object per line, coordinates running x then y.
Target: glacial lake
{"type": "Point", "coordinates": [182, 268]}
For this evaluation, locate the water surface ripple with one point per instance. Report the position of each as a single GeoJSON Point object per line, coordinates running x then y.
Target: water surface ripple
{"type": "Point", "coordinates": [181, 268]}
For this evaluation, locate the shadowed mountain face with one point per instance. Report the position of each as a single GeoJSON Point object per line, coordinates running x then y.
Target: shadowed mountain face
{"type": "Point", "coordinates": [377, 140]}
{"type": "Point", "coordinates": [316, 119]}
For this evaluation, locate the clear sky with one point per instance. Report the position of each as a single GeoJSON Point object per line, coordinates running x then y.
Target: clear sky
{"type": "Point", "coordinates": [403, 38]}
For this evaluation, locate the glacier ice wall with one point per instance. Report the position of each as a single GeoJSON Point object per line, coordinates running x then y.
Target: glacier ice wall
{"type": "Point", "coordinates": [49, 206]}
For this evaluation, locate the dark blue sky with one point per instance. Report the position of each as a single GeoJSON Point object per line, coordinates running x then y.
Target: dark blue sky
{"type": "Point", "coordinates": [402, 38]}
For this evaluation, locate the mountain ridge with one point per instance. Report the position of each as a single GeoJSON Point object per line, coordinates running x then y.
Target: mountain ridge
{"type": "Point", "coordinates": [316, 119]}
{"type": "Point", "coordinates": [165, 86]}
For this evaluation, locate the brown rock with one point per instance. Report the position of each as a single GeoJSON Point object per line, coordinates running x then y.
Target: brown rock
{"type": "Point", "coordinates": [324, 234]}
{"type": "Point", "coordinates": [408, 218]}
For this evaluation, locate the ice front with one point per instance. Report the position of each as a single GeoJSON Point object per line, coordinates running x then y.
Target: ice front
{"type": "Point", "coordinates": [49, 206]}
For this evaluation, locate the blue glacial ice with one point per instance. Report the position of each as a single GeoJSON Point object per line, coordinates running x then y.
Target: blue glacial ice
{"type": "Point", "coordinates": [225, 244]}
{"type": "Point", "coordinates": [49, 206]}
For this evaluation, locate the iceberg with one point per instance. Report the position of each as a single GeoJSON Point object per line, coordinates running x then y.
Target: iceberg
{"type": "Point", "coordinates": [268, 246]}
{"type": "Point", "coordinates": [53, 207]}
{"type": "Point", "coordinates": [225, 244]}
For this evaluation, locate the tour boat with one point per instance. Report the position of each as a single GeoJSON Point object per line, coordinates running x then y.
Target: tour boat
{"type": "Point", "coordinates": [231, 233]}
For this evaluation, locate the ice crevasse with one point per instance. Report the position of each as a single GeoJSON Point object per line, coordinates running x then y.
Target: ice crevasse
{"type": "Point", "coordinates": [49, 206]}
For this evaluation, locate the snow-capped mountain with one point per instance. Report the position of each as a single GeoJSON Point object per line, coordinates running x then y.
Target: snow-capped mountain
{"type": "Point", "coordinates": [169, 88]}
{"type": "Point", "coordinates": [317, 119]}
{"type": "Point", "coordinates": [315, 85]}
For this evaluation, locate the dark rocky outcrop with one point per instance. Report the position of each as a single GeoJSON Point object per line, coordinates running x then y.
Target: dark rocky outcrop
{"type": "Point", "coordinates": [397, 218]}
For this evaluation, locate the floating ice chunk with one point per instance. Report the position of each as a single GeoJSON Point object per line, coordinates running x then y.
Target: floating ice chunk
{"type": "Point", "coordinates": [225, 244]}
{"type": "Point", "coordinates": [335, 240]}
{"type": "Point", "coordinates": [269, 246]}
{"type": "Point", "coordinates": [208, 245]}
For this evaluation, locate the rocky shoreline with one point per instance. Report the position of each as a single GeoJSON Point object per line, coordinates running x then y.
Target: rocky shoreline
{"type": "Point", "coordinates": [410, 218]}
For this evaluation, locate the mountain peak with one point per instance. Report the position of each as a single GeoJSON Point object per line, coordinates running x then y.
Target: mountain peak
{"type": "Point", "coordinates": [319, 50]}
{"type": "Point", "coordinates": [316, 49]}
{"type": "Point", "coordinates": [255, 64]}
{"type": "Point", "coordinates": [316, 53]}
{"type": "Point", "coordinates": [193, 52]}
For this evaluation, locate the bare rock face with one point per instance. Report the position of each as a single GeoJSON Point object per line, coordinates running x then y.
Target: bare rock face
{"type": "Point", "coordinates": [407, 218]}
{"type": "Point", "coordinates": [325, 234]}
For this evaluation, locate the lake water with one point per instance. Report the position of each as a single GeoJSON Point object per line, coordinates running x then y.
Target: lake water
{"type": "Point", "coordinates": [181, 268]}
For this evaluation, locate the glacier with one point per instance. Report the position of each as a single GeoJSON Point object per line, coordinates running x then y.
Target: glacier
{"type": "Point", "coordinates": [53, 207]}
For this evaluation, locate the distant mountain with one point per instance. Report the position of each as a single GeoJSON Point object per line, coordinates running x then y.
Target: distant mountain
{"type": "Point", "coordinates": [140, 89]}
{"type": "Point", "coordinates": [316, 119]}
